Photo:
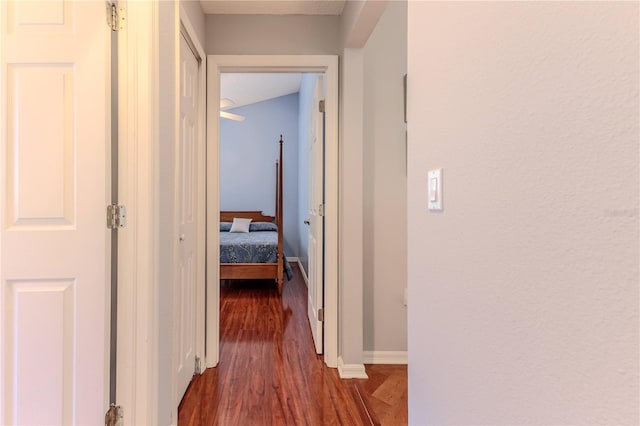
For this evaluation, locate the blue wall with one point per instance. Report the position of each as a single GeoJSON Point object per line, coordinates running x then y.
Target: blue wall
{"type": "Point", "coordinates": [248, 151]}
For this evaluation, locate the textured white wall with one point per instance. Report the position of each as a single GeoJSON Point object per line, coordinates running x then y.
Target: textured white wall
{"type": "Point", "coordinates": [523, 303]}
{"type": "Point", "coordinates": [272, 34]}
{"type": "Point", "coordinates": [385, 183]}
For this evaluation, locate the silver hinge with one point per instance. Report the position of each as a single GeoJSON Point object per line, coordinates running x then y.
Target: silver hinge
{"type": "Point", "coordinates": [114, 416]}
{"type": "Point", "coordinates": [115, 16]}
{"type": "Point", "coordinates": [197, 369]}
{"type": "Point", "coordinates": [116, 216]}
{"type": "Point", "coordinates": [320, 314]}
{"type": "Point", "coordinates": [321, 210]}
{"type": "Point", "coordinates": [321, 106]}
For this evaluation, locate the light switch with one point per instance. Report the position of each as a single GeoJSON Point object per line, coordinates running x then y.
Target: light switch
{"type": "Point", "coordinates": [435, 189]}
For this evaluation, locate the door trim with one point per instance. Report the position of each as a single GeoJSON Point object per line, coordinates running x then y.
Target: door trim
{"type": "Point", "coordinates": [188, 32]}
{"type": "Point", "coordinates": [136, 356]}
{"type": "Point", "coordinates": [327, 64]}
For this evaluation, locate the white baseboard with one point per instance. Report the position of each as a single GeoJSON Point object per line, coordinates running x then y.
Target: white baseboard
{"type": "Point", "coordinates": [304, 274]}
{"type": "Point", "coordinates": [385, 357]}
{"type": "Point", "coordinates": [351, 371]}
{"type": "Point", "coordinates": [293, 259]}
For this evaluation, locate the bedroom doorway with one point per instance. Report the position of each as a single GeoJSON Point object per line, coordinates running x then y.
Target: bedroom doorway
{"type": "Point", "coordinates": [257, 109]}
{"type": "Point", "coordinates": [324, 196]}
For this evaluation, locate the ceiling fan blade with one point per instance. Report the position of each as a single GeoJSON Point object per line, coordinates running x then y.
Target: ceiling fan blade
{"type": "Point", "coordinates": [226, 103]}
{"type": "Point", "coordinates": [231, 116]}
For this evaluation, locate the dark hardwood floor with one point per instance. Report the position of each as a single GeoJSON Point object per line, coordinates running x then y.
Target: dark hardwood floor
{"type": "Point", "coordinates": [269, 373]}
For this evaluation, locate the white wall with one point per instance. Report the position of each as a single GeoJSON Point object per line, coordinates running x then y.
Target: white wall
{"type": "Point", "coordinates": [272, 34]}
{"type": "Point", "coordinates": [385, 183]}
{"type": "Point", "coordinates": [523, 292]}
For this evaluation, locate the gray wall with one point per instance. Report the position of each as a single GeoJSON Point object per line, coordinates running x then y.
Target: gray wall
{"type": "Point", "coordinates": [272, 34]}
{"type": "Point", "coordinates": [193, 11]}
{"type": "Point", "coordinates": [385, 183]}
{"type": "Point", "coordinates": [523, 303]}
{"type": "Point", "coordinates": [248, 151]}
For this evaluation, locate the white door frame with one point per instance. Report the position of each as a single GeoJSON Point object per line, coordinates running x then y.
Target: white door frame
{"type": "Point", "coordinates": [327, 64]}
{"type": "Point", "coordinates": [139, 330]}
{"type": "Point", "coordinates": [136, 355]}
{"type": "Point", "coordinates": [187, 30]}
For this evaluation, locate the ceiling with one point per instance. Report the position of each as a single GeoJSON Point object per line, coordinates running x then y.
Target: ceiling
{"type": "Point", "coordinates": [249, 88]}
{"type": "Point", "coordinates": [273, 7]}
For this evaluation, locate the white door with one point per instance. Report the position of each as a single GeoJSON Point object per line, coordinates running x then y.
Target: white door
{"type": "Point", "coordinates": [54, 245]}
{"type": "Point", "coordinates": [316, 222]}
{"type": "Point", "coordinates": [187, 200]}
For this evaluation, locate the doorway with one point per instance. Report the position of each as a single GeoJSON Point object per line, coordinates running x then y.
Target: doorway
{"type": "Point", "coordinates": [326, 65]}
{"type": "Point", "coordinates": [256, 110]}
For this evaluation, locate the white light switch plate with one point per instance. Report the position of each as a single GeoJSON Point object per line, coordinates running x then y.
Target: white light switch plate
{"type": "Point", "coordinates": [434, 189]}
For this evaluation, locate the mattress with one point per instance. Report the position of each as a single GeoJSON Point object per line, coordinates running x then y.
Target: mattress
{"type": "Point", "coordinates": [259, 245]}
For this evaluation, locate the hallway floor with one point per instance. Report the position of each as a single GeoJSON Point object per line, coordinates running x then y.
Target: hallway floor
{"type": "Point", "coordinates": [269, 373]}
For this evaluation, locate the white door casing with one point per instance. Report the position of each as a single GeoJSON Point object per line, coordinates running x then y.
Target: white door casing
{"type": "Point", "coordinates": [316, 222]}
{"type": "Point", "coordinates": [187, 202]}
{"type": "Point", "coordinates": [54, 245]}
{"type": "Point", "coordinates": [327, 64]}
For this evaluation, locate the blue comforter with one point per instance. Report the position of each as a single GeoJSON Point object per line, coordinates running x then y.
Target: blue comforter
{"type": "Point", "coordinates": [259, 245]}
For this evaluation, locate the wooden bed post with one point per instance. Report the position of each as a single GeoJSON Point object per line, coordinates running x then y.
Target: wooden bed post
{"type": "Point", "coordinates": [279, 221]}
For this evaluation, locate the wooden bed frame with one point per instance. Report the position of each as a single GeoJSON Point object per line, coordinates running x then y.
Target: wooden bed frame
{"type": "Point", "coordinates": [230, 271]}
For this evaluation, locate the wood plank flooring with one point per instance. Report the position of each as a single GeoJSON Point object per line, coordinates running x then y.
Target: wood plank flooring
{"type": "Point", "coordinates": [269, 373]}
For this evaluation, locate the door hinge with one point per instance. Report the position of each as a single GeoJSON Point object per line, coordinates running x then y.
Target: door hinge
{"type": "Point", "coordinates": [320, 314]}
{"type": "Point", "coordinates": [114, 416]}
{"type": "Point", "coordinates": [116, 216]}
{"type": "Point", "coordinates": [321, 210]}
{"type": "Point", "coordinates": [321, 106]}
{"type": "Point", "coordinates": [197, 369]}
{"type": "Point", "coordinates": [115, 16]}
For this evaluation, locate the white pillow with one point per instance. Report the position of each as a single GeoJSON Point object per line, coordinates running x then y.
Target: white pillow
{"type": "Point", "coordinates": [240, 225]}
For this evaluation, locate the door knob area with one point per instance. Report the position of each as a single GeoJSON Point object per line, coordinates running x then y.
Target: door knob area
{"type": "Point", "coordinates": [306, 222]}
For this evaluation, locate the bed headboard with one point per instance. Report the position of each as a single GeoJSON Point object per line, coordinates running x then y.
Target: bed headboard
{"type": "Point", "coordinates": [255, 216]}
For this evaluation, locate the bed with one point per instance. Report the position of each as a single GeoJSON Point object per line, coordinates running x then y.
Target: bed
{"type": "Point", "coordinates": [259, 253]}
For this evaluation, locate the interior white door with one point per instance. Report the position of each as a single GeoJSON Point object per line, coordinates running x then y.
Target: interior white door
{"type": "Point", "coordinates": [316, 221]}
{"type": "Point", "coordinates": [187, 200]}
{"type": "Point", "coordinates": [54, 242]}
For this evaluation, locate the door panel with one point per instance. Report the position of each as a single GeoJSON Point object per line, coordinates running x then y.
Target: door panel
{"type": "Point", "coordinates": [54, 244]}
{"type": "Point", "coordinates": [187, 199]}
{"type": "Point", "coordinates": [316, 221]}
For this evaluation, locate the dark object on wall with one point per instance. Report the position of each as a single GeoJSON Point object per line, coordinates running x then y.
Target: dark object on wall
{"type": "Point", "coordinates": [405, 97]}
